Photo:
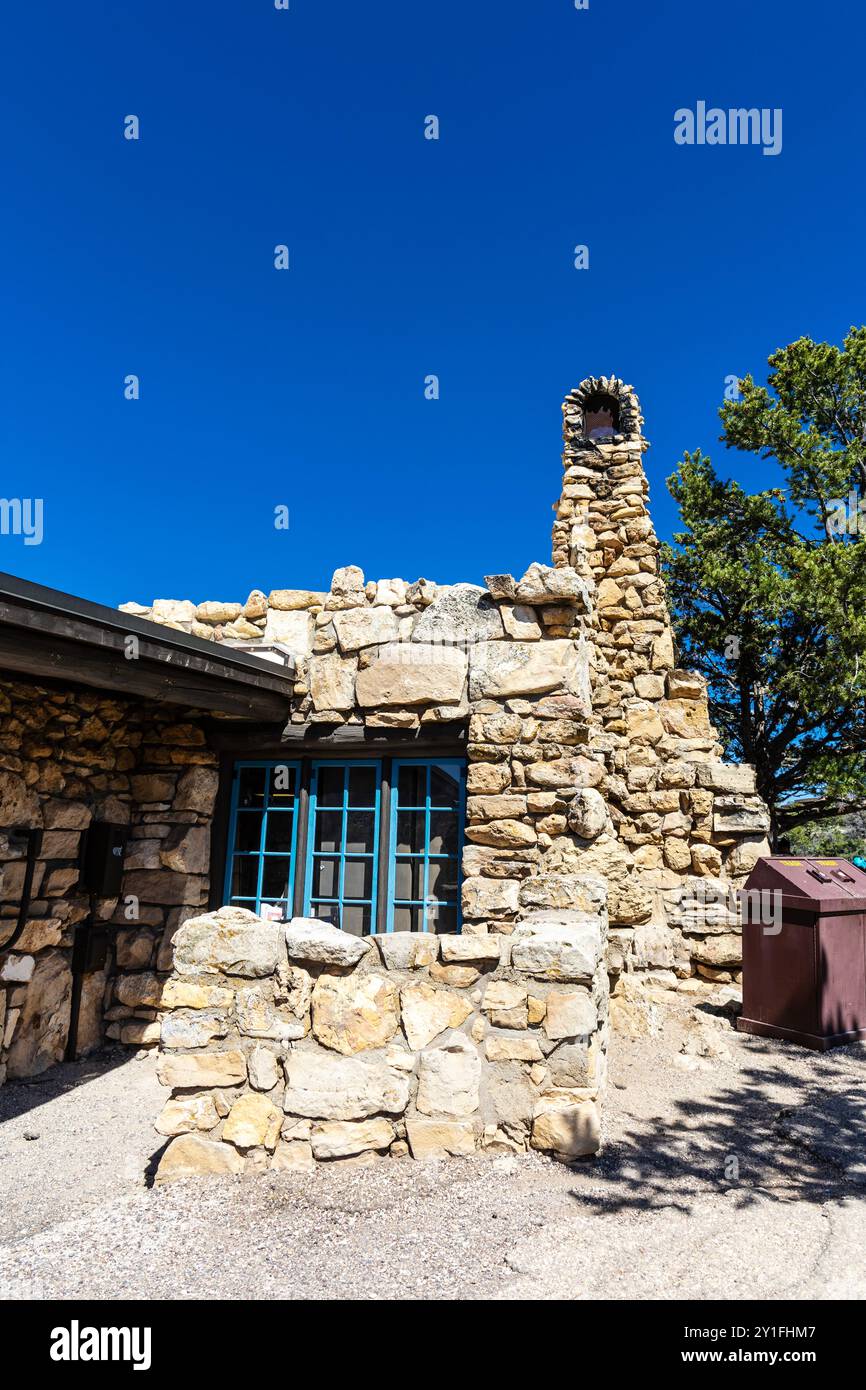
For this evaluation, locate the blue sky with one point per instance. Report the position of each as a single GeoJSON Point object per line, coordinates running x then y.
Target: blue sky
{"type": "Point", "coordinates": [305, 388]}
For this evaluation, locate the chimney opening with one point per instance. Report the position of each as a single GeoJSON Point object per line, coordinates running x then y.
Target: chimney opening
{"type": "Point", "coordinates": [600, 418]}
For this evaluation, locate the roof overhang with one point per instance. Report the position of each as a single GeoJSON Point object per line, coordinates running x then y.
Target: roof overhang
{"type": "Point", "coordinates": [51, 635]}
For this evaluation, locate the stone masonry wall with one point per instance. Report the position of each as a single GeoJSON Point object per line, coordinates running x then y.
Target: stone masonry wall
{"type": "Point", "coordinates": [69, 756]}
{"type": "Point", "coordinates": [284, 1045]}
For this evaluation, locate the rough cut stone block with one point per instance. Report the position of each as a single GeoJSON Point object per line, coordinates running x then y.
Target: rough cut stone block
{"type": "Point", "coordinates": [502, 994]}
{"type": "Point", "coordinates": [172, 610]}
{"type": "Point", "coordinates": [489, 897]}
{"type": "Point", "coordinates": [164, 887]}
{"type": "Point", "coordinates": [575, 892]}
{"type": "Point", "coordinates": [201, 1070]}
{"type": "Point", "coordinates": [258, 1018]}
{"type": "Point", "coordinates": [215, 612]}
{"type": "Point", "coordinates": [355, 1012]}
{"type": "Point", "coordinates": [502, 669]}
{"type": "Point", "coordinates": [512, 1047]}
{"type": "Point", "coordinates": [195, 1031]}
{"type": "Point", "coordinates": [342, 1138]}
{"type": "Point", "coordinates": [403, 950]}
{"type": "Point", "coordinates": [179, 994]}
{"type": "Point", "coordinates": [685, 718]}
{"type": "Point", "coordinates": [565, 946]}
{"type": "Point", "coordinates": [187, 1113]}
{"type": "Point", "coordinates": [293, 1158]}
{"type": "Point", "coordinates": [460, 948]}
{"type": "Point", "coordinates": [231, 941]}
{"type": "Point", "coordinates": [332, 682]}
{"type": "Point", "coordinates": [253, 1121]}
{"type": "Point", "coordinates": [562, 585]}
{"type": "Point", "coordinates": [502, 834]}
{"type": "Point", "coordinates": [311, 940]}
{"type": "Point", "coordinates": [569, 1014]}
{"type": "Point", "coordinates": [191, 1156]}
{"type": "Point", "coordinates": [427, 1012]}
{"type": "Point", "coordinates": [323, 1086]}
{"type": "Point", "coordinates": [588, 814]}
{"type": "Point", "coordinates": [570, 1130]}
{"type": "Point", "coordinates": [292, 630]}
{"type": "Point", "coordinates": [729, 813]}
{"type": "Point", "coordinates": [288, 601]}
{"type": "Point", "coordinates": [450, 1075]}
{"type": "Point", "coordinates": [726, 777]}
{"type": "Point", "coordinates": [520, 622]}
{"type": "Point", "coordinates": [263, 1069]}
{"type": "Point", "coordinates": [434, 1138]}
{"type": "Point", "coordinates": [412, 674]}
{"type": "Point", "coordinates": [460, 613]}
{"type": "Point", "coordinates": [365, 627]}
{"type": "Point", "coordinates": [196, 790]}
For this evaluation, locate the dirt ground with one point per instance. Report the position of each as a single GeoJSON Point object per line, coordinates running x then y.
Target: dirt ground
{"type": "Point", "coordinates": [738, 1174]}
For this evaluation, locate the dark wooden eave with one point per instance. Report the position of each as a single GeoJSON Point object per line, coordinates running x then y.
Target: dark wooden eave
{"type": "Point", "coordinates": [50, 635]}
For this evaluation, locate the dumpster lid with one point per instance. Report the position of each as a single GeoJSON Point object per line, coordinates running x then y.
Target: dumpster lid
{"type": "Point", "coordinates": [825, 884]}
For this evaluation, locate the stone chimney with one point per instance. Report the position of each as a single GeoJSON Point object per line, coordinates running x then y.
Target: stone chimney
{"type": "Point", "coordinates": [679, 813]}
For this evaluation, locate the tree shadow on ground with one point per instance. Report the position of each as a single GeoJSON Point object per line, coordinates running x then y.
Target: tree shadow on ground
{"type": "Point", "coordinates": [765, 1132]}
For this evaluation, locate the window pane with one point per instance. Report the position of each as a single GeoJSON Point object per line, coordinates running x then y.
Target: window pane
{"type": "Point", "coordinates": [412, 786]}
{"type": "Point", "coordinates": [275, 878]}
{"type": "Point", "coordinates": [443, 832]}
{"type": "Point", "coordinates": [245, 876]}
{"type": "Point", "coordinates": [278, 833]}
{"type": "Point", "coordinates": [356, 920]}
{"type": "Point", "coordinates": [251, 786]}
{"type": "Point", "coordinates": [248, 832]}
{"type": "Point", "coordinates": [442, 879]}
{"type": "Point", "coordinates": [329, 831]}
{"type": "Point", "coordinates": [409, 878]}
{"type": "Point", "coordinates": [282, 785]}
{"type": "Point", "coordinates": [327, 912]}
{"type": "Point", "coordinates": [442, 919]}
{"type": "Point", "coordinates": [326, 878]}
{"type": "Point", "coordinates": [329, 785]}
{"type": "Point", "coordinates": [358, 878]}
{"type": "Point", "coordinates": [410, 832]}
{"type": "Point", "coordinates": [444, 788]}
{"type": "Point", "coordinates": [359, 832]}
{"type": "Point", "coordinates": [362, 786]}
{"type": "Point", "coordinates": [408, 918]}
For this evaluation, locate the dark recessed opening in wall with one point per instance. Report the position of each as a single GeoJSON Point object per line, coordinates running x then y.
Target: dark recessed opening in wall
{"type": "Point", "coordinates": [600, 418]}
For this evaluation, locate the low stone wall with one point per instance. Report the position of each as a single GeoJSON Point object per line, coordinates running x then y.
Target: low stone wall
{"type": "Point", "coordinates": [284, 1045]}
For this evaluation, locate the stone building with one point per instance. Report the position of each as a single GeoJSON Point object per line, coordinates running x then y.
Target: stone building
{"type": "Point", "coordinates": [513, 789]}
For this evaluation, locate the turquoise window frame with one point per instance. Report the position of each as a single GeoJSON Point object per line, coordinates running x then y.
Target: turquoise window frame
{"type": "Point", "coordinates": [457, 768]}
{"type": "Point", "coordinates": [254, 903]}
{"type": "Point", "coordinates": [340, 900]}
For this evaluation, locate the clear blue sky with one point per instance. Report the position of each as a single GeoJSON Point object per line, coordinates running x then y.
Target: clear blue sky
{"type": "Point", "coordinates": [408, 257]}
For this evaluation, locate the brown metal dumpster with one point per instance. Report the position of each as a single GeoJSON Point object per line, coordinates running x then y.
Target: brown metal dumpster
{"type": "Point", "coordinates": [804, 951]}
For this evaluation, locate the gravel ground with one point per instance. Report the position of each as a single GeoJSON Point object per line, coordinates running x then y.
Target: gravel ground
{"type": "Point", "coordinates": [739, 1176]}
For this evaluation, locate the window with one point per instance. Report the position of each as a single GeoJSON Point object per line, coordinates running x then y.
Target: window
{"type": "Point", "coordinates": [262, 837]}
{"type": "Point", "coordinates": [343, 841]}
{"type": "Point", "coordinates": [426, 840]}
{"type": "Point", "coordinates": [367, 844]}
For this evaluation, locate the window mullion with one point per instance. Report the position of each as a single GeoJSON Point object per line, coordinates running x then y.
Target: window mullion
{"type": "Point", "coordinates": [383, 920]}
{"type": "Point", "coordinates": [262, 841]}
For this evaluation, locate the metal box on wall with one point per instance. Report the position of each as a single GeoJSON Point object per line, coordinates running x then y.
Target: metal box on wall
{"type": "Point", "coordinates": [102, 865]}
{"type": "Point", "coordinates": [804, 962]}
